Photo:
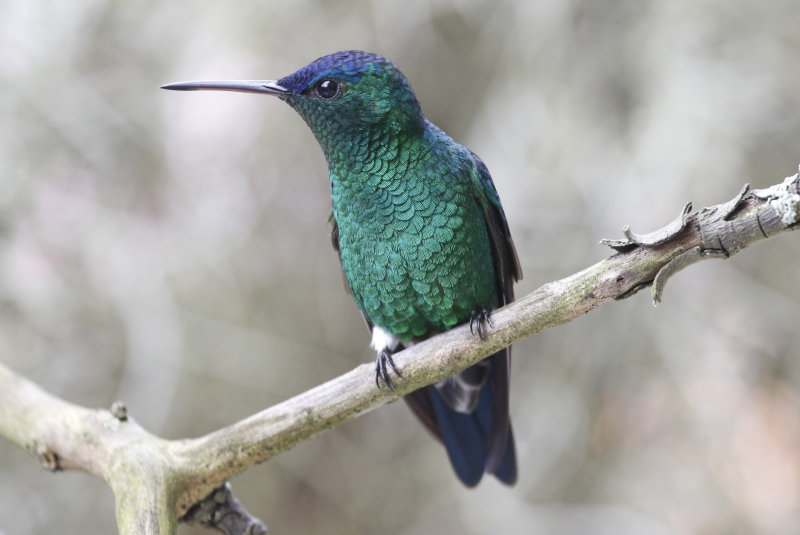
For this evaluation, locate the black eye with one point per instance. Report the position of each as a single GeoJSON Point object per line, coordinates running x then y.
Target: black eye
{"type": "Point", "coordinates": [329, 89]}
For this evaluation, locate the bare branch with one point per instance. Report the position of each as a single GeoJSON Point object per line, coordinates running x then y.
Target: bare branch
{"type": "Point", "coordinates": [156, 481]}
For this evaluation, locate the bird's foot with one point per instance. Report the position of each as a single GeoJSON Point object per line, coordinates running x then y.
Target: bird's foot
{"type": "Point", "coordinates": [478, 321]}
{"type": "Point", "coordinates": [382, 365]}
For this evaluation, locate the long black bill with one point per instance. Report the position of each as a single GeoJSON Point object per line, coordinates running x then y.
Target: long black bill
{"type": "Point", "coordinates": [269, 87]}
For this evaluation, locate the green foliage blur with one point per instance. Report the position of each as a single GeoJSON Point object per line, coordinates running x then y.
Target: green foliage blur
{"type": "Point", "coordinates": [171, 250]}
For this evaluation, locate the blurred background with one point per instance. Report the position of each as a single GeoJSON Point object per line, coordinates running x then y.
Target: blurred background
{"type": "Point", "coordinates": [171, 250]}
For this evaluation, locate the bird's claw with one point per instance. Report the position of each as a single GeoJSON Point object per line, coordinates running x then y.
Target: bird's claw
{"type": "Point", "coordinates": [382, 365]}
{"type": "Point", "coordinates": [478, 321]}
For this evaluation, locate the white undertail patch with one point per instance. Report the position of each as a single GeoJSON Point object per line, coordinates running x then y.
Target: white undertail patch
{"type": "Point", "coordinates": [382, 340]}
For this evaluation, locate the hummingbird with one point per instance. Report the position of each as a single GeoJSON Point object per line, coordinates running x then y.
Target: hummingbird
{"type": "Point", "coordinates": [422, 239]}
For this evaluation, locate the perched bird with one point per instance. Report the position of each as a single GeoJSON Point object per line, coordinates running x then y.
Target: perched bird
{"type": "Point", "coordinates": [421, 236]}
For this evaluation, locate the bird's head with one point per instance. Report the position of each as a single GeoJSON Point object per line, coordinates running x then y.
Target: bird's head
{"type": "Point", "coordinates": [339, 95]}
{"type": "Point", "coordinates": [350, 89]}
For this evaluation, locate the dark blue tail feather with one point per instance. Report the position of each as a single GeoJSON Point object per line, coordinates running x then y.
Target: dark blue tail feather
{"type": "Point", "coordinates": [466, 439]}
{"type": "Point", "coordinates": [463, 439]}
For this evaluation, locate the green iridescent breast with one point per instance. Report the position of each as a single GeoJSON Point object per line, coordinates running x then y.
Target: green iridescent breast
{"type": "Point", "coordinates": [412, 238]}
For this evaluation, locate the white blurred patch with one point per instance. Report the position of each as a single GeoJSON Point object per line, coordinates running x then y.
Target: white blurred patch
{"type": "Point", "coordinates": [382, 340]}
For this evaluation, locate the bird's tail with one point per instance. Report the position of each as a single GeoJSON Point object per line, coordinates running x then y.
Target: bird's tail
{"type": "Point", "coordinates": [476, 434]}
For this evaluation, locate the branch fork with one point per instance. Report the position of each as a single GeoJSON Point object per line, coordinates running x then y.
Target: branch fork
{"type": "Point", "coordinates": [723, 230]}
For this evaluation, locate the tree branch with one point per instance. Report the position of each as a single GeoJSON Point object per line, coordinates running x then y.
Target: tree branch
{"type": "Point", "coordinates": [157, 481]}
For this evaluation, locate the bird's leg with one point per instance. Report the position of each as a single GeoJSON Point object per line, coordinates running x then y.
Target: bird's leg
{"type": "Point", "coordinates": [383, 362]}
{"type": "Point", "coordinates": [385, 344]}
{"type": "Point", "coordinates": [478, 320]}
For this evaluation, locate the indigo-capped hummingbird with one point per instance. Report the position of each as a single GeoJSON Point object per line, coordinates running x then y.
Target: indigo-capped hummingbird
{"type": "Point", "coordinates": [421, 236]}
